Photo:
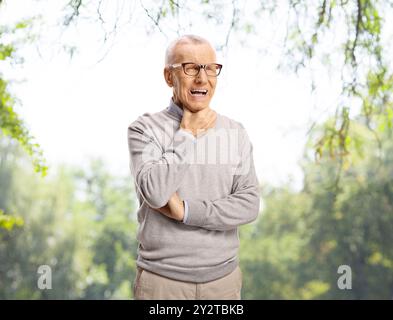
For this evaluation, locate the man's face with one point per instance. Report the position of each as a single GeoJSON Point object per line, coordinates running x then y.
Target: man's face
{"type": "Point", "coordinates": [184, 86]}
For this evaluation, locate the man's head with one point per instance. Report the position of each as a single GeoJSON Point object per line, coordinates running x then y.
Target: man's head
{"type": "Point", "coordinates": [195, 89]}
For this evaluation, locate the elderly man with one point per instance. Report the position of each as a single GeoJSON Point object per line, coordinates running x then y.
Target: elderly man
{"type": "Point", "coordinates": [195, 180]}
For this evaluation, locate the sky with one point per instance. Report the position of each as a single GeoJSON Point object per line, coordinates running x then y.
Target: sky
{"type": "Point", "coordinates": [79, 108]}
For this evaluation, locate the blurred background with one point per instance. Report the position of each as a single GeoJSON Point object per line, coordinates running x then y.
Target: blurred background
{"type": "Point", "coordinates": [312, 83]}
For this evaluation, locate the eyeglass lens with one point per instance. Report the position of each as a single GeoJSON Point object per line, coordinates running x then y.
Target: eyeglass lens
{"type": "Point", "coordinates": [193, 69]}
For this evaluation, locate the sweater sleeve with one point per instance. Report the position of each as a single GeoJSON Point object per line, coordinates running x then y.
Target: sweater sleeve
{"type": "Point", "coordinates": [157, 171]}
{"type": "Point", "coordinates": [239, 207]}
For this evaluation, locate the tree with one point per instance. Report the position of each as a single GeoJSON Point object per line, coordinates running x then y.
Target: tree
{"type": "Point", "coordinates": [342, 215]}
{"type": "Point", "coordinates": [80, 223]}
{"type": "Point", "coordinates": [11, 124]}
{"type": "Point", "coordinates": [301, 239]}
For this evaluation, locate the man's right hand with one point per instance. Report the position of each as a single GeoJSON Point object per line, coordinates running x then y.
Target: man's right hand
{"type": "Point", "coordinates": [174, 209]}
{"type": "Point", "coordinates": [198, 122]}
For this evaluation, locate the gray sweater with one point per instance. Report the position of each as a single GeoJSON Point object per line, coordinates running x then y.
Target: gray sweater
{"type": "Point", "coordinates": [214, 174]}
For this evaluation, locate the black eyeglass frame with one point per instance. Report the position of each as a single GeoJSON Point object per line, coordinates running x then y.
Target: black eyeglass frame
{"type": "Point", "coordinates": [201, 66]}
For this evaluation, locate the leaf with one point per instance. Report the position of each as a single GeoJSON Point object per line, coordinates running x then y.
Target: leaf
{"type": "Point", "coordinates": [8, 222]}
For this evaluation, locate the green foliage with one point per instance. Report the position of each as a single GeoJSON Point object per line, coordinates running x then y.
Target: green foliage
{"type": "Point", "coordinates": [82, 222]}
{"type": "Point", "coordinates": [79, 222]}
{"type": "Point", "coordinates": [11, 124]}
{"type": "Point", "coordinates": [301, 238]}
{"type": "Point", "coordinates": [8, 222]}
{"type": "Point", "coordinates": [5, 51]}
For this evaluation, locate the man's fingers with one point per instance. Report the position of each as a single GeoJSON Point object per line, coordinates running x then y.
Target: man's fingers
{"type": "Point", "coordinates": [186, 111]}
{"type": "Point", "coordinates": [200, 121]}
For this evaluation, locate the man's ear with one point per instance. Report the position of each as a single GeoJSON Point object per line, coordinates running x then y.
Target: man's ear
{"type": "Point", "coordinates": [168, 77]}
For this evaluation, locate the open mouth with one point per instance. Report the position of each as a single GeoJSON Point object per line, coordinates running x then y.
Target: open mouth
{"type": "Point", "coordinates": [198, 92]}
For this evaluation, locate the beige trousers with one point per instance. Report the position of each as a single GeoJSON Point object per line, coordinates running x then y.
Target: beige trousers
{"type": "Point", "coordinates": [151, 286]}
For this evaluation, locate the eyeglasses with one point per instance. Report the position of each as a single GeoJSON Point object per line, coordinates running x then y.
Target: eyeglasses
{"type": "Point", "coordinates": [193, 69]}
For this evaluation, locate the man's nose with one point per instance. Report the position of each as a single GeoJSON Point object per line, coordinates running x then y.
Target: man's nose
{"type": "Point", "coordinates": [202, 76]}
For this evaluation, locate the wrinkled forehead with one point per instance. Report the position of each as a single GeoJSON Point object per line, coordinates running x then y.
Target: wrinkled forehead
{"type": "Point", "coordinates": [192, 52]}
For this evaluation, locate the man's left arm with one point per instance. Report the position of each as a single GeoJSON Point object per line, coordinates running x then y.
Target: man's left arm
{"type": "Point", "coordinates": [238, 208]}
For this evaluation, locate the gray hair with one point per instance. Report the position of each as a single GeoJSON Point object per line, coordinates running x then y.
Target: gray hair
{"type": "Point", "coordinates": [185, 39]}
